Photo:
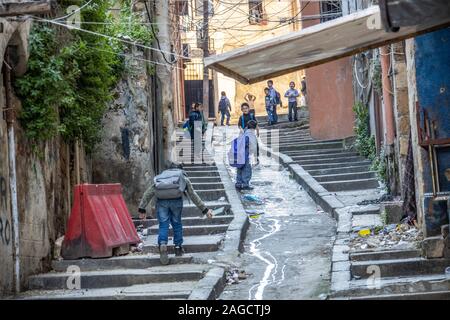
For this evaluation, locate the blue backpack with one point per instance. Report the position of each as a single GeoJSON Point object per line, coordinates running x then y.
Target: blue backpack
{"type": "Point", "coordinates": [238, 155]}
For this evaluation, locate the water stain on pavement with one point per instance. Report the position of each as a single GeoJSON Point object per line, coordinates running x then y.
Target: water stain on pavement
{"type": "Point", "coordinates": [289, 242]}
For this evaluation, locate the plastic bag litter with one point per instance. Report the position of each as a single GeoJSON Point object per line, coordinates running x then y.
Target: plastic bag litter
{"type": "Point", "coordinates": [252, 212]}
{"type": "Point", "coordinates": [252, 198]}
{"type": "Point", "coordinates": [364, 232]}
{"type": "Point", "coordinates": [219, 211]}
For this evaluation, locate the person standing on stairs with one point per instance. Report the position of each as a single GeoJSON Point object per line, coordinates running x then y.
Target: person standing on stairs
{"type": "Point", "coordinates": [276, 98]}
{"type": "Point", "coordinates": [247, 116]}
{"type": "Point", "coordinates": [292, 95]}
{"type": "Point", "coordinates": [244, 173]}
{"type": "Point", "coordinates": [224, 108]}
{"type": "Point", "coordinates": [169, 187]}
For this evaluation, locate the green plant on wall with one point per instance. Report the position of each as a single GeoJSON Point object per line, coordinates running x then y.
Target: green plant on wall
{"type": "Point", "coordinates": [377, 75]}
{"type": "Point", "coordinates": [71, 75]}
{"type": "Point", "coordinates": [365, 143]}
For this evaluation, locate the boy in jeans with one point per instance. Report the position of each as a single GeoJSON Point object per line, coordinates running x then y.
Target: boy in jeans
{"type": "Point", "coordinates": [244, 174]}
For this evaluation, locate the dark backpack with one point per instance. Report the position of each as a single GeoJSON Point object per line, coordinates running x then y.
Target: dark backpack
{"type": "Point", "coordinates": [252, 117]}
{"type": "Point", "coordinates": [194, 116]}
{"type": "Point", "coordinates": [223, 104]}
{"type": "Point", "coordinates": [277, 97]}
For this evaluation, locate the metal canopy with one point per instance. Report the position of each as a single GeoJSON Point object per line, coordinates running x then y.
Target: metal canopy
{"type": "Point", "coordinates": [312, 46]}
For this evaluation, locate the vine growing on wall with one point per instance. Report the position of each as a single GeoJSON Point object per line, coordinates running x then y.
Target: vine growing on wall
{"type": "Point", "coordinates": [365, 142]}
{"type": "Point", "coordinates": [71, 75]}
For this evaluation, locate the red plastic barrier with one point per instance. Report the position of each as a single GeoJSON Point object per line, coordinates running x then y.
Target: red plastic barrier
{"type": "Point", "coordinates": [98, 223]}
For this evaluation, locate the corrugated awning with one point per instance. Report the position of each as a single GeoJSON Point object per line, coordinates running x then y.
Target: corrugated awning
{"type": "Point", "coordinates": [312, 46]}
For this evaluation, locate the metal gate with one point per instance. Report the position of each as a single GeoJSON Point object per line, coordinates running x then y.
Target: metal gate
{"type": "Point", "coordinates": [193, 88]}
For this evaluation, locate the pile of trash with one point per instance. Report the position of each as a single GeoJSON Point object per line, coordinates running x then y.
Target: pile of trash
{"type": "Point", "coordinates": [142, 233]}
{"type": "Point", "coordinates": [393, 236]}
{"type": "Point", "coordinates": [235, 276]}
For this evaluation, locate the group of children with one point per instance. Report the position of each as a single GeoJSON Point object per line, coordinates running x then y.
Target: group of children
{"type": "Point", "coordinates": [249, 130]}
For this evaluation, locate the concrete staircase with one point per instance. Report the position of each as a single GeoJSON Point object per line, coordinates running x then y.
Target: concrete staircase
{"type": "Point", "coordinates": [403, 275]}
{"type": "Point", "coordinates": [141, 276]}
{"type": "Point", "coordinates": [327, 161]}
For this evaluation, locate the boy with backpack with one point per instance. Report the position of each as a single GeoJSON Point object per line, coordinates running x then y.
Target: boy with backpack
{"type": "Point", "coordinates": [169, 188]}
{"type": "Point", "coordinates": [270, 106]}
{"type": "Point", "coordinates": [276, 98]}
{"type": "Point", "coordinates": [224, 108]}
{"type": "Point", "coordinates": [242, 148]}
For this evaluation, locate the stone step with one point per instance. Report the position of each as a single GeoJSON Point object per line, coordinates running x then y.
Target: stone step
{"type": "Point", "coordinates": [330, 160]}
{"type": "Point", "coordinates": [191, 244]}
{"type": "Point", "coordinates": [215, 179]}
{"type": "Point", "coordinates": [339, 170]}
{"type": "Point", "coordinates": [317, 152]}
{"type": "Point", "coordinates": [433, 295]}
{"type": "Point", "coordinates": [190, 210]}
{"type": "Point", "coordinates": [196, 230]}
{"type": "Point", "coordinates": [347, 185]}
{"type": "Point", "coordinates": [394, 286]}
{"type": "Point", "coordinates": [400, 267]}
{"type": "Point", "coordinates": [324, 156]}
{"type": "Point", "coordinates": [203, 173]}
{"type": "Point", "coordinates": [346, 176]}
{"type": "Point", "coordinates": [120, 277]}
{"type": "Point", "coordinates": [335, 165]}
{"type": "Point", "coordinates": [385, 255]}
{"type": "Point", "coordinates": [310, 146]}
{"type": "Point", "coordinates": [207, 186]}
{"type": "Point", "coordinates": [212, 195]}
{"type": "Point", "coordinates": [309, 142]}
{"type": "Point", "coordinates": [190, 221]}
{"type": "Point", "coordinates": [150, 291]}
{"type": "Point", "coordinates": [370, 209]}
{"type": "Point", "coordinates": [199, 167]}
{"type": "Point", "coordinates": [122, 262]}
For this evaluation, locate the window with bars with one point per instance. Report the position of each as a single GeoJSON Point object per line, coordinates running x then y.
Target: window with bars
{"type": "Point", "coordinates": [183, 7]}
{"type": "Point", "coordinates": [256, 12]}
{"type": "Point", "coordinates": [330, 10]}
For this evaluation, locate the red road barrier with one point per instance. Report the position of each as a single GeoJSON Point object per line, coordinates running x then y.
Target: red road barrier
{"type": "Point", "coordinates": [98, 223]}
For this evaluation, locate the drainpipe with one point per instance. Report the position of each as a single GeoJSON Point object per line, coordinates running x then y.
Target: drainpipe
{"type": "Point", "coordinates": [10, 119]}
{"type": "Point", "coordinates": [387, 95]}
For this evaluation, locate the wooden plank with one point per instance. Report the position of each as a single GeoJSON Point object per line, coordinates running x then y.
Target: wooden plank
{"type": "Point", "coordinates": [27, 7]}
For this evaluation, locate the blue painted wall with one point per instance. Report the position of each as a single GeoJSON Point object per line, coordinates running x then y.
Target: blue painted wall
{"type": "Point", "coordinates": [433, 89]}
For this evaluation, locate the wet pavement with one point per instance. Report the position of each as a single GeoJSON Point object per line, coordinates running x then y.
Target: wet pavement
{"type": "Point", "coordinates": [289, 243]}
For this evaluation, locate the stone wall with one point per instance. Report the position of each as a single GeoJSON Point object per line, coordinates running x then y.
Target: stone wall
{"type": "Point", "coordinates": [125, 153]}
{"type": "Point", "coordinates": [44, 181]}
{"type": "Point", "coordinates": [401, 106]}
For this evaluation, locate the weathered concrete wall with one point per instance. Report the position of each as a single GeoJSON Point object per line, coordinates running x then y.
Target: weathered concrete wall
{"type": "Point", "coordinates": [281, 84]}
{"type": "Point", "coordinates": [43, 182]}
{"type": "Point", "coordinates": [6, 236]}
{"type": "Point", "coordinates": [124, 153]}
{"type": "Point", "coordinates": [330, 91]}
{"type": "Point", "coordinates": [401, 107]}
{"type": "Point", "coordinates": [330, 99]}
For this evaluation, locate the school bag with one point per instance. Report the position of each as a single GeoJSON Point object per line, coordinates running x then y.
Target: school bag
{"type": "Point", "coordinates": [277, 98]}
{"type": "Point", "coordinates": [223, 104]}
{"type": "Point", "coordinates": [238, 155]}
{"type": "Point", "coordinates": [170, 184]}
{"type": "Point", "coordinates": [252, 117]}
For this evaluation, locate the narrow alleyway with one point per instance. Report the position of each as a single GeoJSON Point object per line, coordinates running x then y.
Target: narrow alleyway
{"type": "Point", "coordinates": [289, 243]}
